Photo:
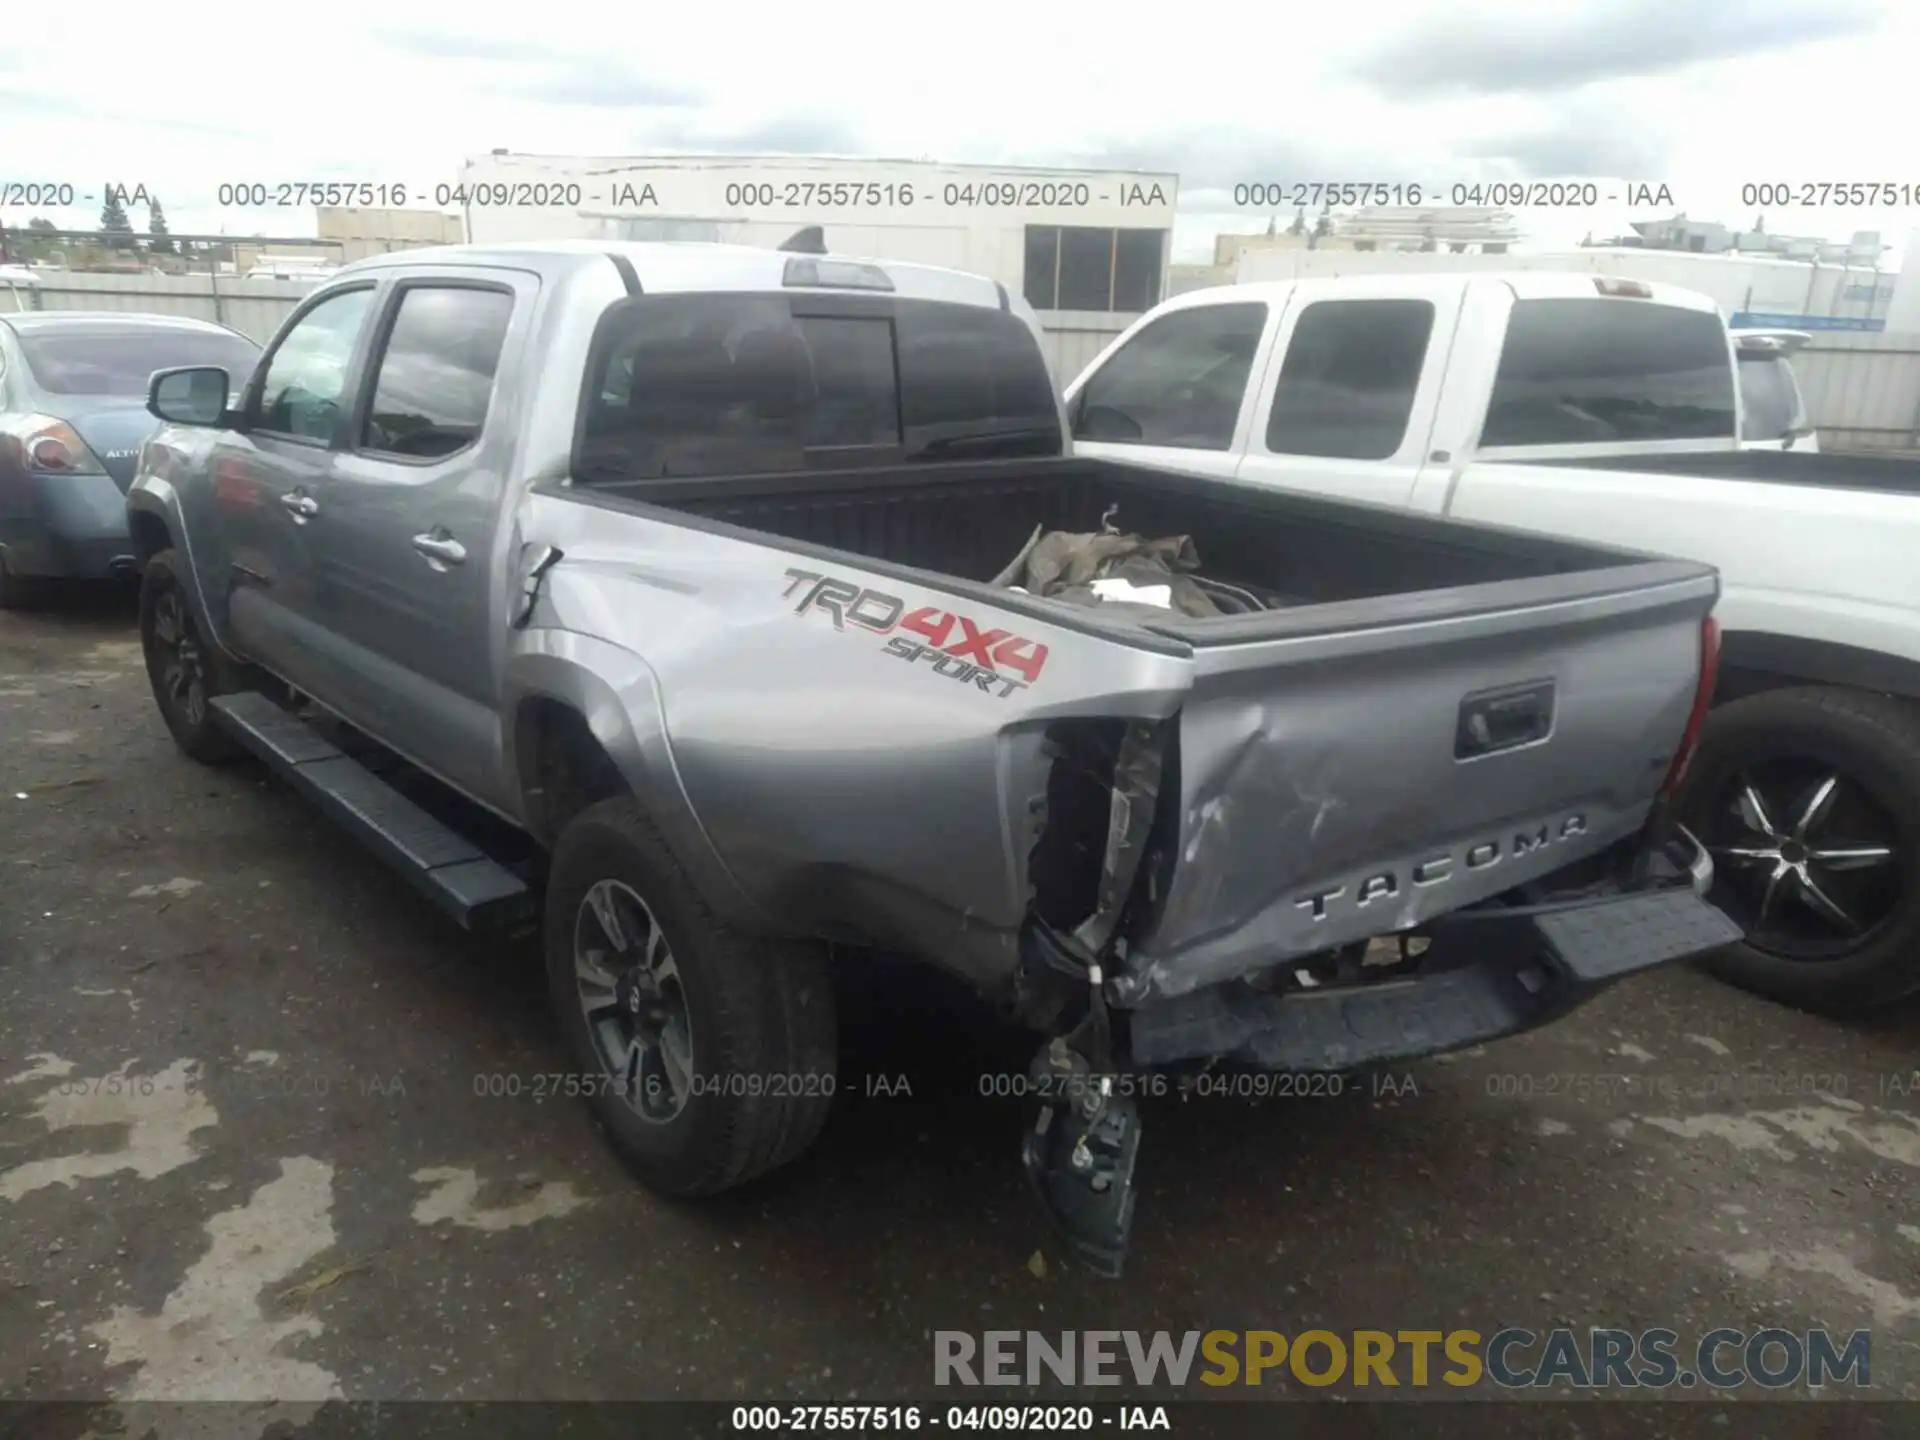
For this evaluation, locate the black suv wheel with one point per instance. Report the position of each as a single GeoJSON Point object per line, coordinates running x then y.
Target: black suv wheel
{"type": "Point", "coordinates": [1809, 801]}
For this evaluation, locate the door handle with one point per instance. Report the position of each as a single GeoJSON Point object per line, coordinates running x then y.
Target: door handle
{"type": "Point", "coordinates": [300, 504]}
{"type": "Point", "coordinates": [440, 548]}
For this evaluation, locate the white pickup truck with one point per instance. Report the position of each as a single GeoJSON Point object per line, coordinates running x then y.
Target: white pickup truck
{"type": "Point", "coordinates": [1606, 410]}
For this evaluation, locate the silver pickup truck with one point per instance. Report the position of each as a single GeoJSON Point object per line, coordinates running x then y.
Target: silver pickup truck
{"type": "Point", "coordinates": [717, 607]}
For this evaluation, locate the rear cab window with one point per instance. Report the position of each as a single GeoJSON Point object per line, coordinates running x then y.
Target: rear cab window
{"type": "Point", "coordinates": [1602, 371]}
{"type": "Point", "coordinates": [686, 386]}
{"type": "Point", "coordinates": [1179, 382]}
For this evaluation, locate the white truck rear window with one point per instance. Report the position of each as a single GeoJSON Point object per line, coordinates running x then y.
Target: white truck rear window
{"type": "Point", "coordinates": [1610, 370]}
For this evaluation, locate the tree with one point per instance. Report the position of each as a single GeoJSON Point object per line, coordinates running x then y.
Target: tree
{"type": "Point", "coordinates": [162, 242]}
{"type": "Point", "coordinates": [114, 222]}
{"type": "Point", "coordinates": [1299, 225]}
{"type": "Point", "coordinates": [33, 243]}
{"type": "Point", "coordinates": [1322, 227]}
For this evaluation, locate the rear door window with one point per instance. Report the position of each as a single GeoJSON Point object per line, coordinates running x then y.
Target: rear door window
{"type": "Point", "coordinates": [435, 375]}
{"type": "Point", "coordinates": [1179, 382]}
{"type": "Point", "coordinates": [701, 385]}
{"type": "Point", "coordinates": [1347, 384]}
{"type": "Point", "coordinates": [1607, 371]}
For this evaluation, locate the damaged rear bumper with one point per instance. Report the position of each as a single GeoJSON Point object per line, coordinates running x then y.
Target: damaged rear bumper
{"type": "Point", "coordinates": [1487, 972]}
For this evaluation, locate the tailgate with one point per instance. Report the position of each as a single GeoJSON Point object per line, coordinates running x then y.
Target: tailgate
{"type": "Point", "coordinates": [1352, 769]}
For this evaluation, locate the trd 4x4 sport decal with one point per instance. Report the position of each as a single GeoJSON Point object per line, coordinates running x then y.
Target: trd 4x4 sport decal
{"type": "Point", "coordinates": [952, 645]}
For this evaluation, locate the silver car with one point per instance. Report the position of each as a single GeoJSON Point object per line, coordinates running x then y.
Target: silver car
{"type": "Point", "coordinates": [73, 414]}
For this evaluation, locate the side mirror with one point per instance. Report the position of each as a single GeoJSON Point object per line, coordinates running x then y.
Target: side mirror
{"type": "Point", "coordinates": [190, 395]}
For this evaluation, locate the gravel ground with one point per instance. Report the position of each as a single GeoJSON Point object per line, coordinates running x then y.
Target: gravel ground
{"type": "Point", "coordinates": [256, 1142]}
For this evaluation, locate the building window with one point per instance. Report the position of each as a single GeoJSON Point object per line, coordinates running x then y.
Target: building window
{"type": "Point", "coordinates": [1080, 267]}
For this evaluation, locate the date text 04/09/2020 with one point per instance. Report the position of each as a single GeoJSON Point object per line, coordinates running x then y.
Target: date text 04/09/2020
{"type": "Point", "coordinates": [644, 193]}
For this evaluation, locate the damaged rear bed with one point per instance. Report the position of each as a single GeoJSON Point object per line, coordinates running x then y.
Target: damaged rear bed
{"type": "Point", "coordinates": [1313, 785]}
{"type": "Point", "coordinates": [1422, 714]}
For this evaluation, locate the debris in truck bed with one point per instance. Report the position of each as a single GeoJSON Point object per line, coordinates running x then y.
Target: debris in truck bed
{"type": "Point", "coordinates": [1113, 570]}
{"type": "Point", "coordinates": [1118, 589]}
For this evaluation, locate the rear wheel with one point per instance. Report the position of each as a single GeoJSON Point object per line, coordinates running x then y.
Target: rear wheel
{"type": "Point", "coordinates": [1809, 801]}
{"type": "Point", "coordinates": [708, 1055]}
{"type": "Point", "coordinates": [184, 669]}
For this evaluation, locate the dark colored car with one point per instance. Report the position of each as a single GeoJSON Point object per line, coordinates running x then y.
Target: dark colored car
{"type": "Point", "coordinates": [73, 391]}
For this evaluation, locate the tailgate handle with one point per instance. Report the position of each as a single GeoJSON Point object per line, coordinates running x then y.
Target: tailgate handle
{"type": "Point", "coordinates": [1496, 720]}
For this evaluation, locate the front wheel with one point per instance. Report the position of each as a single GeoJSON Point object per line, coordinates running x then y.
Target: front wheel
{"type": "Point", "coordinates": [708, 1056]}
{"type": "Point", "coordinates": [185, 670]}
{"type": "Point", "coordinates": [1809, 801]}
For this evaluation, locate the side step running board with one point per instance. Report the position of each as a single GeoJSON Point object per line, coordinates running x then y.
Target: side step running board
{"type": "Point", "coordinates": [447, 868]}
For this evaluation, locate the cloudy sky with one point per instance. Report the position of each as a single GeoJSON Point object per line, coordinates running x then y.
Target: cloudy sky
{"type": "Point", "coordinates": [1702, 95]}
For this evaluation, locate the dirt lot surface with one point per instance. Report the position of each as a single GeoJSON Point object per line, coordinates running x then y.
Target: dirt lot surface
{"type": "Point", "coordinates": [270, 1128]}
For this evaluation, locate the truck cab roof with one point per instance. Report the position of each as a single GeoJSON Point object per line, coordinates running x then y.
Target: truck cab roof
{"type": "Point", "coordinates": [1524, 285]}
{"type": "Point", "coordinates": [684, 266]}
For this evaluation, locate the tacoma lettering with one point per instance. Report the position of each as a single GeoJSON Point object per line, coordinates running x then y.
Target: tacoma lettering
{"type": "Point", "coordinates": [1437, 870]}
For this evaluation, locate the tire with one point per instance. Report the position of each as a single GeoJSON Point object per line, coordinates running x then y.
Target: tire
{"type": "Point", "coordinates": [758, 1034]}
{"type": "Point", "coordinates": [1871, 744]}
{"type": "Point", "coordinates": [166, 618]}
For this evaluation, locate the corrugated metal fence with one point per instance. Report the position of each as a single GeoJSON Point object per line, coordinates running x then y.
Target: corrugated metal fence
{"type": "Point", "coordinates": [253, 307]}
{"type": "Point", "coordinates": [1862, 390]}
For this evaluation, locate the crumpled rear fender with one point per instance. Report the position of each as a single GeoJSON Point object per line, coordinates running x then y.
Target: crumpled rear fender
{"type": "Point", "coordinates": [861, 778]}
{"type": "Point", "coordinates": [618, 697]}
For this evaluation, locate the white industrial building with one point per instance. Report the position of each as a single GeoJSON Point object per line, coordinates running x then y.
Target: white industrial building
{"type": "Point", "coordinates": [1087, 248]}
{"type": "Point", "coordinates": [1903, 311]}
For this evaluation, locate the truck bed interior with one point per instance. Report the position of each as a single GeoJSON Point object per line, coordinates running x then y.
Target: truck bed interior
{"type": "Point", "coordinates": [970, 520]}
